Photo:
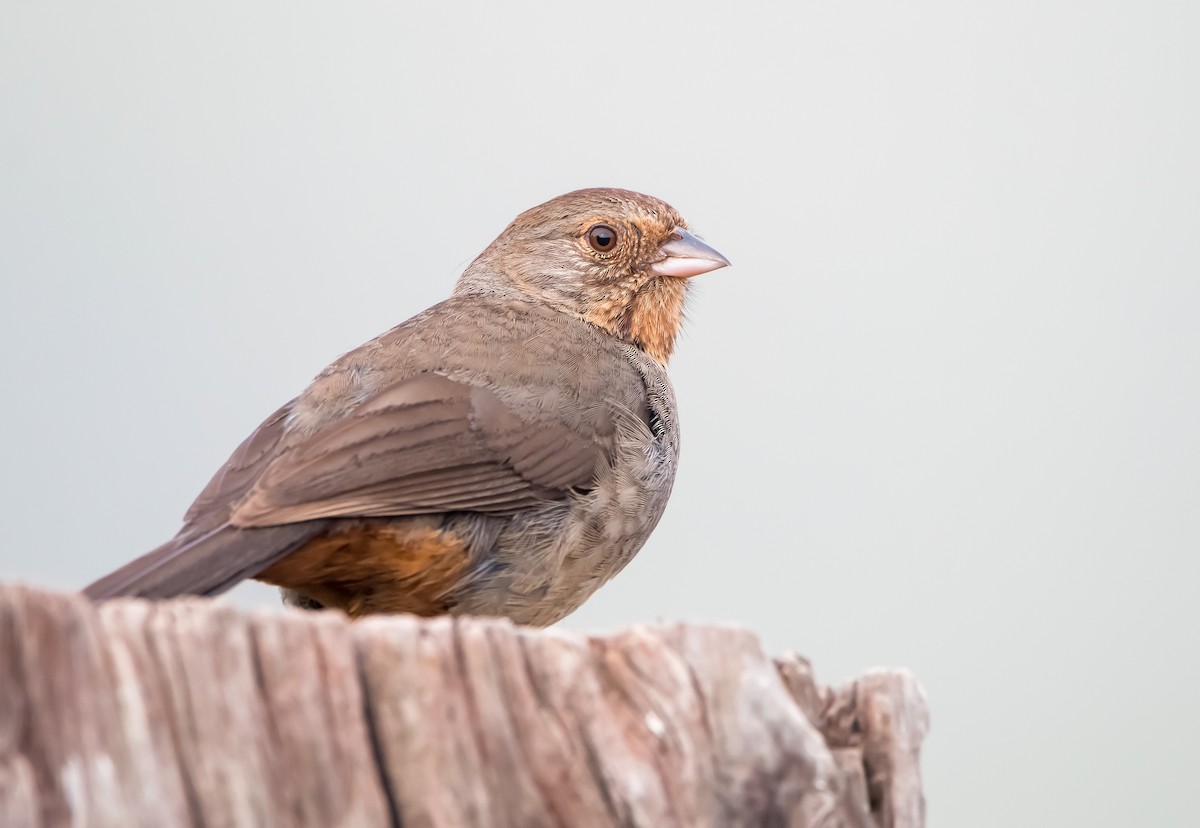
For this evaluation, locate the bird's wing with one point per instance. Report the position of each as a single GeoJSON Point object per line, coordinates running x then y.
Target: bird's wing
{"type": "Point", "coordinates": [239, 473]}
{"type": "Point", "coordinates": [425, 444]}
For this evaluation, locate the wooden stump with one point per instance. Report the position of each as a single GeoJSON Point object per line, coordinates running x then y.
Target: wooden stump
{"type": "Point", "coordinates": [191, 713]}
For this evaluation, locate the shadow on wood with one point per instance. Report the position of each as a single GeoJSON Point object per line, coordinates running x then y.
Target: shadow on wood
{"type": "Point", "coordinates": [192, 713]}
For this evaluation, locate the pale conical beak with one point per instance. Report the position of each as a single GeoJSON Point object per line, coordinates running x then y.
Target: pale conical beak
{"type": "Point", "coordinates": [687, 256]}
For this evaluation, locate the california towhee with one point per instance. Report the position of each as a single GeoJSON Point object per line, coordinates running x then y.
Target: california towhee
{"type": "Point", "coordinates": [504, 452]}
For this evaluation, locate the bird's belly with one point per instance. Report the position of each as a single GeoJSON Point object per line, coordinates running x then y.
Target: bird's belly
{"type": "Point", "coordinates": [550, 560]}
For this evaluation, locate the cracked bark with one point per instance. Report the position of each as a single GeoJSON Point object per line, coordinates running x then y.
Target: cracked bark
{"type": "Point", "coordinates": [190, 713]}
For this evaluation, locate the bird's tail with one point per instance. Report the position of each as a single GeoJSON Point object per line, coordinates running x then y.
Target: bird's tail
{"type": "Point", "coordinates": [203, 564]}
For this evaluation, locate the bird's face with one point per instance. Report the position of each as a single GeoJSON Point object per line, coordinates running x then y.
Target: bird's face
{"type": "Point", "coordinates": [618, 259]}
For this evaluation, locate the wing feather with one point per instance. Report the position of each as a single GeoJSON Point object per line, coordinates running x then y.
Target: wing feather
{"type": "Point", "coordinates": [425, 444]}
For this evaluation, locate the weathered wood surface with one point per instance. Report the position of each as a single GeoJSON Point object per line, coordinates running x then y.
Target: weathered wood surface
{"type": "Point", "coordinates": [191, 713]}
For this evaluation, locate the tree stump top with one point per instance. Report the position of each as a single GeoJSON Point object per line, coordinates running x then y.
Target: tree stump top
{"type": "Point", "coordinates": [192, 713]}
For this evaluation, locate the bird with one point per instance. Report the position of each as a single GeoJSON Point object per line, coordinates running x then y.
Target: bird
{"type": "Point", "coordinates": [503, 453]}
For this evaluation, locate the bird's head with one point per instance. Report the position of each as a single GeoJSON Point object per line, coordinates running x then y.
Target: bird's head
{"type": "Point", "coordinates": [615, 258]}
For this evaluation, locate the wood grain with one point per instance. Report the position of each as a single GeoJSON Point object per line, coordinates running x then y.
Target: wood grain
{"type": "Point", "coordinates": [190, 713]}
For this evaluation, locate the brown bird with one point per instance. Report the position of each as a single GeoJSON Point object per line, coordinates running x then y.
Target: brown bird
{"type": "Point", "coordinates": [505, 452]}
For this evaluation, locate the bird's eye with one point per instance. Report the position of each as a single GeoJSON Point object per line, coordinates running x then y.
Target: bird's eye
{"type": "Point", "coordinates": [602, 238]}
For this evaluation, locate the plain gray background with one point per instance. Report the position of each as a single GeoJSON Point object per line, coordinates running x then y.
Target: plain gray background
{"type": "Point", "coordinates": [943, 412]}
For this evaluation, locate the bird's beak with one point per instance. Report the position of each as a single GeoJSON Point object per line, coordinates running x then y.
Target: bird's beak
{"type": "Point", "coordinates": [686, 256]}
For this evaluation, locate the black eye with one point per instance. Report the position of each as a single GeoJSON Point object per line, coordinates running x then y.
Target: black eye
{"type": "Point", "coordinates": [602, 238]}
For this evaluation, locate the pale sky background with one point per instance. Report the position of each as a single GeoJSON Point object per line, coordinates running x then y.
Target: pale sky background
{"type": "Point", "coordinates": [943, 412]}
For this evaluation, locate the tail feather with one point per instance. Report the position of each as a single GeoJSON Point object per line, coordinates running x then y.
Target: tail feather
{"type": "Point", "coordinates": [205, 564]}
